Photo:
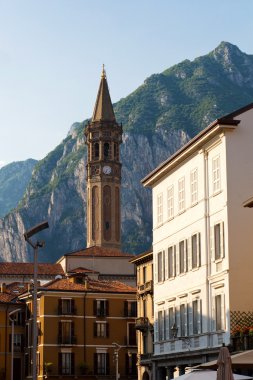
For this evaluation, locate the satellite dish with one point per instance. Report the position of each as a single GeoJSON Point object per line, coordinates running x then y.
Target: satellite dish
{"type": "Point", "coordinates": [58, 277]}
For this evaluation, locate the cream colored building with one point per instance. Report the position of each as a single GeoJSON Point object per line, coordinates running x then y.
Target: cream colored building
{"type": "Point", "coordinates": [145, 313]}
{"type": "Point", "coordinates": [202, 243]}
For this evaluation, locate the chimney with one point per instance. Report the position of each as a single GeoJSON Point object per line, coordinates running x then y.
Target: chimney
{"type": "Point", "coordinates": [3, 287]}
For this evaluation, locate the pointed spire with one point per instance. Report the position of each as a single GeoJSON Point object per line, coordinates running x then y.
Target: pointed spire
{"type": "Point", "coordinates": [103, 108]}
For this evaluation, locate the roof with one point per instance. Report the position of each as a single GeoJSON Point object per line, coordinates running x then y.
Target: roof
{"type": "Point", "coordinates": [145, 256]}
{"type": "Point", "coordinates": [248, 203]}
{"type": "Point", "coordinates": [216, 125]}
{"type": "Point", "coordinates": [12, 291]}
{"type": "Point", "coordinates": [23, 269]}
{"type": "Point", "coordinates": [103, 110]}
{"type": "Point", "coordinates": [100, 252]}
{"type": "Point", "coordinates": [90, 286]}
{"type": "Point", "coordinates": [81, 270]}
{"type": "Point", "coordinates": [242, 359]}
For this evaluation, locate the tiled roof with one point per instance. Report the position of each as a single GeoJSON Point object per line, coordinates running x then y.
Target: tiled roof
{"type": "Point", "coordinates": [93, 286]}
{"type": "Point", "coordinates": [11, 291]}
{"type": "Point", "coordinates": [23, 269]}
{"type": "Point", "coordinates": [100, 251]}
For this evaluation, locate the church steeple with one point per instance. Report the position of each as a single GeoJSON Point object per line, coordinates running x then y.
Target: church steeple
{"type": "Point", "coordinates": [103, 108]}
{"type": "Point", "coordinates": [103, 137]}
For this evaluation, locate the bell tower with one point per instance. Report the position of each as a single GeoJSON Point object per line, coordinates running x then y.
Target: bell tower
{"type": "Point", "coordinates": [103, 138]}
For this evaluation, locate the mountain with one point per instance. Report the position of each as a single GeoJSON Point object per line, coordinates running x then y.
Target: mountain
{"type": "Point", "coordinates": [14, 179]}
{"type": "Point", "coordinates": [158, 118]}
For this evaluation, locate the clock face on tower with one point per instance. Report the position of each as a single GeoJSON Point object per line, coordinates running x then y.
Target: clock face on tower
{"type": "Point", "coordinates": [107, 170]}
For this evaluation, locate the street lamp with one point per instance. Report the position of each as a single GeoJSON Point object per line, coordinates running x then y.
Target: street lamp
{"type": "Point", "coordinates": [12, 320]}
{"type": "Point", "coordinates": [117, 347]}
{"type": "Point", "coordinates": [35, 245]}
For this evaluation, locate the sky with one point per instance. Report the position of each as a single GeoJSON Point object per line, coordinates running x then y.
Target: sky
{"type": "Point", "coordinates": [52, 51]}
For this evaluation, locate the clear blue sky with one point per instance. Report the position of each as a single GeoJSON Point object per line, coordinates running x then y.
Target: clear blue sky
{"type": "Point", "coordinates": [52, 51]}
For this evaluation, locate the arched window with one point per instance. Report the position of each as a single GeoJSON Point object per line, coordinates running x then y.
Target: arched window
{"type": "Point", "coordinates": [106, 150]}
{"type": "Point", "coordinates": [96, 150]}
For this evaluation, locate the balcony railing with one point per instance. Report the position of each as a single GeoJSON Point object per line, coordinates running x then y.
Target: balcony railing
{"type": "Point", "coordinates": [146, 357]}
{"type": "Point", "coordinates": [142, 324]}
{"type": "Point", "coordinates": [66, 340]}
{"type": "Point", "coordinates": [146, 288]}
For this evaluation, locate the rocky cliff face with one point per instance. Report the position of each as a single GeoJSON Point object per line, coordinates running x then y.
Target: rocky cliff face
{"type": "Point", "coordinates": [158, 118]}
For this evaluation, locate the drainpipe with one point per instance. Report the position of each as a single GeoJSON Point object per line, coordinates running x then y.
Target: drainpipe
{"type": "Point", "coordinates": [207, 241]}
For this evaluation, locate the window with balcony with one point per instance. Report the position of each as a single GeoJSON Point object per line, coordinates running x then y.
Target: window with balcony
{"type": "Point", "coordinates": [219, 312]}
{"type": "Point", "coordinates": [172, 320]}
{"type": "Point", "coordinates": [101, 329]}
{"type": "Point", "coordinates": [66, 363]}
{"type": "Point", "coordinates": [170, 202]}
{"type": "Point", "coordinates": [216, 174]}
{"type": "Point", "coordinates": [101, 308]}
{"type": "Point", "coordinates": [161, 325]}
{"type": "Point", "coordinates": [18, 342]}
{"type": "Point", "coordinates": [196, 317]}
{"type": "Point", "coordinates": [181, 194]}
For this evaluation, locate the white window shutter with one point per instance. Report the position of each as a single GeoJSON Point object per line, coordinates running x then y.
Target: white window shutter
{"type": "Point", "coordinates": [177, 259]}
{"type": "Point", "coordinates": [185, 256]}
{"type": "Point", "coordinates": [190, 318]}
{"type": "Point", "coordinates": [166, 264]}
{"type": "Point", "coordinates": [155, 268]}
{"type": "Point", "coordinates": [189, 253]}
{"type": "Point", "coordinates": [167, 325]}
{"type": "Point", "coordinates": [212, 253]}
{"type": "Point", "coordinates": [223, 324]}
{"type": "Point", "coordinates": [199, 317]}
{"type": "Point", "coordinates": [222, 250]}
{"type": "Point", "coordinates": [177, 320]}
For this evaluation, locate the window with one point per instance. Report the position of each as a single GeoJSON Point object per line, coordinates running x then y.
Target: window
{"type": "Point", "coordinates": [195, 250]}
{"type": "Point", "coordinates": [160, 325]}
{"type": "Point", "coordinates": [216, 174]}
{"type": "Point", "coordinates": [106, 150]}
{"type": "Point", "coordinates": [170, 201]}
{"type": "Point", "coordinates": [182, 257]}
{"type": "Point", "coordinates": [183, 320]}
{"type": "Point", "coordinates": [131, 334]}
{"type": "Point", "coordinates": [130, 308]}
{"type": "Point", "coordinates": [144, 275]}
{"type": "Point", "coordinates": [66, 332]}
{"type": "Point", "coordinates": [159, 209]}
{"type": "Point", "coordinates": [194, 186]}
{"type": "Point", "coordinates": [66, 363]}
{"type": "Point", "coordinates": [196, 316]}
{"type": "Point", "coordinates": [101, 329]}
{"type": "Point", "coordinates": [101, 363]}
{"type": "Point", "coordinates": [66, 306]}
{"type": "Point", "coordinates": [171, 262]}
{"type": "Point", "coordinates": [219, 312]}
{"type": "Point", "coordinates": [18, 342]}
{"type": "Point", "coordinates": [160, 266]}
{"type": "Point", "coordinates": [101, 308]}
{"type": "Point", "coordinates": [172, 320]}
{"type": "Point", "coordinates": [96, 151]}
{"type": "Point", "coordinates": [131, 367]}
{"type": "Point", "coordinates": [144, 306]}
{"type": "Point", "coordinates": [181, 195]}
{"type": "Point", "coordinates": [217, 241]}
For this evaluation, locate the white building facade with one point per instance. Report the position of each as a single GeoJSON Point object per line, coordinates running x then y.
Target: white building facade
{"type": "Point", "coordinates": [202, 243]}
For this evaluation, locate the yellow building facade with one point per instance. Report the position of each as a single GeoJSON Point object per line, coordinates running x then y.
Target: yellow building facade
{"type": "Point", "coordinates": [145, 313]}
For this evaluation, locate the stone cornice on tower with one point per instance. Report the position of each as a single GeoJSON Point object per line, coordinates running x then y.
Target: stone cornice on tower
{"type": "Point", "coordinates": [103, 110]}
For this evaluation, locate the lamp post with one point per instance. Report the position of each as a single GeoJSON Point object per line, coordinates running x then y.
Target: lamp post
{"type": "Point", "coordinates": [35, 245]}
{"type": "Point", "coordinates": [12, 320]}
{"type": "Point", "coordinates": [117, 347]}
